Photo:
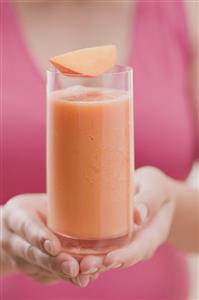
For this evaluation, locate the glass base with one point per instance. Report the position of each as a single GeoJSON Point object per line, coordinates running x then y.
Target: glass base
{"type": "Point", "coordinates": [80, 248]}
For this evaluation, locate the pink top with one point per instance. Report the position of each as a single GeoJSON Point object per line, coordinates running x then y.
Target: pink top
{"type": "Point", "coordinates": [164, 137]}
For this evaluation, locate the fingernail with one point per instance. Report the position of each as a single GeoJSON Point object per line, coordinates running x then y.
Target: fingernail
{"type": "Point", "coordinates": [49, 247]}
{"type": "Point", "coordinates": [91, 271]}
{"type": "Point", "coordinates": [67, 269]}
{"type": "Point", "coordinates": [82, 281]}
{"type": "Point", "coordinates": [73, 280]}
{"type": "Point", "coordinates": [143, 212]}
{"type": "Point", "coordinates": [114, 265]}
{"type": "Point", "coordinates": [79, 282]}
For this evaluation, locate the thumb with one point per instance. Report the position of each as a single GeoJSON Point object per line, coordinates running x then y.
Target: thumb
{"type": "Point", "coordinates": [146, 205]}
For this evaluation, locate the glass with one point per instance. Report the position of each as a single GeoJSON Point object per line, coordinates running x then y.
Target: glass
{"type": "Point", "coordinates": [90, 160]}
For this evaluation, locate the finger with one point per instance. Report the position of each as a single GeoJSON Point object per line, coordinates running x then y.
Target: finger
{"type": "Point", "coordinates": [149, 197]}
{"type": "Point", "coordinates": [81, 280]}
{"type": "Point", "coordinates": [36, 272]}
{"type": "Point", "coordinates": [16, 247]}
{"type": "Point", "coordinates": [147, 204]}
{"type": "Point", "coordinates": [145, 242]}
{"type": "Point", "coordinates": [141, 213]}
{"type": "Point", "coordinates": [69, 265]}
{"type": "Point", "coordinates": [31, 228]}
{"type": "Point", "coordinates": [63, 264]}
{"type": "Point", "coordinates": [91, 264]}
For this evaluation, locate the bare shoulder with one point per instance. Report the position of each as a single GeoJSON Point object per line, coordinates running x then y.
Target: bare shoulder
{"type": "Point", "coordinates": [192, 10]}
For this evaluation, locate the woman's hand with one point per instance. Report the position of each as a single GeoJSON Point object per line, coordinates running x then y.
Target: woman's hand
{"type": "Point", "coordinates": [153, 215]}
{"type": "Point", "coordinates": [29, 246]}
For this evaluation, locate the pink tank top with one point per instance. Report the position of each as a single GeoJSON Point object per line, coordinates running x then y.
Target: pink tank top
{"type": "Point", "coordinates": [164, 137]}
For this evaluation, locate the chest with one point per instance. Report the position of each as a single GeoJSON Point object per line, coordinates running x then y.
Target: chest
{"type": "Point", "coordinates": [65, 26]}
{"type": "Point", "coordinates": [164, 130]}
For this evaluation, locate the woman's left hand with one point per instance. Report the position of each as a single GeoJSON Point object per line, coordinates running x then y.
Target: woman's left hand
{"type": "Point", "coordinates": [153, 214]}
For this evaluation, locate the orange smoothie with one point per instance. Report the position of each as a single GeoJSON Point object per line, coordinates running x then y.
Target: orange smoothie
{"type": "Point", "coordinates": [89, 165]}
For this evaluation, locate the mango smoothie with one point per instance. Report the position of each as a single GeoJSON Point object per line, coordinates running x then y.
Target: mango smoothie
{"type": "Point", "coordinates": [89, 163]}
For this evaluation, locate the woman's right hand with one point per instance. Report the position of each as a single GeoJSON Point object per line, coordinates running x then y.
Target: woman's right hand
{"type": "Point", "coordinates": [29, 244]}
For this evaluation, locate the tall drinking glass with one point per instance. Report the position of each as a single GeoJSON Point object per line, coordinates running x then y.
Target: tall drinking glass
{"type": "Point", "coordinates": [90, 160]}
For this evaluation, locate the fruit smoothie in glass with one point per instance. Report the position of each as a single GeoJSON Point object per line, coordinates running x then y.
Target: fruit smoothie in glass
{"type": "Point", "coordinates": [90, 160]}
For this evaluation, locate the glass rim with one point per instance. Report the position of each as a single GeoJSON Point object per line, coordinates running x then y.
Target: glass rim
{"type": "Point", "coordinates": [123, 70]}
